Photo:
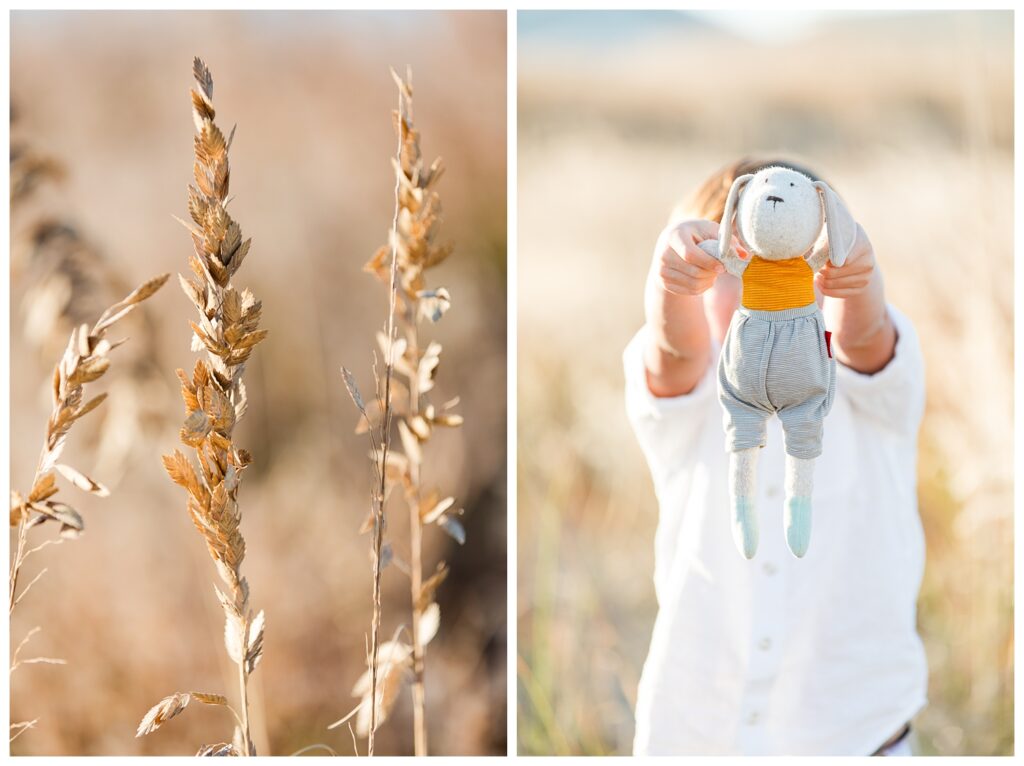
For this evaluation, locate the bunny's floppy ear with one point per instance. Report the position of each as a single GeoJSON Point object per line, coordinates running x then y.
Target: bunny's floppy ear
{"type": "Point", "coordinates": [729, 216]}
{"type": "Point", "coordinates": [840, 227]}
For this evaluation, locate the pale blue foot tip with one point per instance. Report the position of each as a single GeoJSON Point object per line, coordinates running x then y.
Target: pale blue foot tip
{"type": "Point", "coordinates": [798, 525]}
{"type": "Point", "coordinates": [744, 526]}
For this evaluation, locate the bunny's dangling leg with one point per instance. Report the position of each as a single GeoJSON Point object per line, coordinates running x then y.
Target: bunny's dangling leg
{"type": "Point", "coordinates": [742, 491]}
{"type": "Point", "coordinates": [797, 519]}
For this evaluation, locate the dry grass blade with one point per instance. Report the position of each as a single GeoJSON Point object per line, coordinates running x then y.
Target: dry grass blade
{"type": "Point", "coordinates": [381, 446]}
{"type": "Point", "coordinates": [220, 749]}
{"type": "Point", "coordinates": [16, 660]}
{"type": "Point", "coordinates": [17, 729]}
{"type": "Point", "coordinates": [227, 327]}
{"type": "Point", "coordinates": [61, 280]}
{"type": "Point", "coordinates": [169, 707]}
{"type": "Point", "coordinates": [353, 391]}
{"type": "Point", "coordinates": [82, 481]}
{"type": "Point", "coordinates": [401, 264]}
{"type": "Point", "coordinates": [162, 712]}
{"type": "Point", "coordinates": [392, 674]}
{"type": "Point", "coordinates": [85, 360]}
{"type": "Point", "coordinates": [44, 661]}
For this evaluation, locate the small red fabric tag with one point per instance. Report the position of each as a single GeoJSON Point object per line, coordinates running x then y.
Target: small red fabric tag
{"type": "Point", "coordinates": [828, 343]}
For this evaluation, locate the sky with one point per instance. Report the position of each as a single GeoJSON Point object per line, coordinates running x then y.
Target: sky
{"type": "Point", "coordinates": [768, 26]}
{"type": "Point", "coordinates": [600, 27]}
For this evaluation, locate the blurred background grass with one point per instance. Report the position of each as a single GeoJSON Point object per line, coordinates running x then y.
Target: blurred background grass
{"type": "Point", "coordinates": [910, 116]}
{"type": "Point", "coordinates": [130, 604]}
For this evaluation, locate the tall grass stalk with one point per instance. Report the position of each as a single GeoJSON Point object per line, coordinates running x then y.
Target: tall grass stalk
{"type": "Point", "coordinates": [85, 361]}
{"type": "Point", "coordinates": [411, 250]}
{"type": "Point", "coordinates": [215, 400]}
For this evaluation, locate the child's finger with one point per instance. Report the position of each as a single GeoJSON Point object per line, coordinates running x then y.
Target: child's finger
{"type": "Point", "coordinates": [839, 288]}
{"type": "Point", "coordinates": [831, 288]}
{"type": "Point", "coordinates": [681, 251]}
{"type": "Point", "coordinates": [704, 230]}
{"type": "Point", "coordinates": [694, 256]}
{"type": "Point", "coordinates": [687, 286]}
{"type": "Point", "coordinates": [700, 260]}
{"type": "Point", "coordinates": [680, 269]}
{"type": "Point", "coordinates": [841, 292]}
{"type": "Point", "coordinates": [850, 267]}
{"type": "Point", "coordinates": [857, 279]}
{"type": "Point", "coordinates": [681, 276]}
{"type": "Point", "coordinates": [699, 270]}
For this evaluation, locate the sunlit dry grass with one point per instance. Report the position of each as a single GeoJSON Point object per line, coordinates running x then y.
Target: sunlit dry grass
{"type": "Point", "coordinates": [403, 397]}
{"type": "Point", "coordinates": [85, 361]}
{"type": "Point", "coordinates": [311, 96]}
{"type": "Point", "coordinates": [215, 400]}
{"type": "Point", "coordinates": [916, 135]}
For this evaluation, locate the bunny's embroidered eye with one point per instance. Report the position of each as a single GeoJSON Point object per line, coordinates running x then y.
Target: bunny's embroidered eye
{"type": "Point", "coordinates": [792, 184]}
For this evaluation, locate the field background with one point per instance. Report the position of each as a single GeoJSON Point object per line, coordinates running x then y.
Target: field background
{"type": "Point", "coordinates": [130, 605]}
{"type": "Point", "coordinates": [911, 118]}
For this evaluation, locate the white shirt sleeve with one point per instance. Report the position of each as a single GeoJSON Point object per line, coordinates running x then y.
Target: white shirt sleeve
{"type": "Point", "coordinates": [894, 396]}
{"type": "Point", "coordinates": [666, 427]}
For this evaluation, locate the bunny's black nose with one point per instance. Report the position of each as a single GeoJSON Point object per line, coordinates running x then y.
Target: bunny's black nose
{"type": "Point", "coordinates": [773, 198]}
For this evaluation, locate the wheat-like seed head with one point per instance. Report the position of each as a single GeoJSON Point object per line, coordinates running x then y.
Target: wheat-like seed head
{"type": "Point", "coordinates": [419, 214]}
{"type": "Point", "coordinates": [416, 246]}
{"type": "Point", "coordinates": [214, 395]}
{"type": "Point", "coordinates": [228, 329]}
{"type": "Point", "coordinates": [65, 280]}
{"type": "Point", "coordinates": [85, 360]}
{"type": "Point", "coordinates": [70, 285]}
{"type": "Point", "coordinates": [415, 243]}
{"type": "Point", "coordinates": [401, 264]}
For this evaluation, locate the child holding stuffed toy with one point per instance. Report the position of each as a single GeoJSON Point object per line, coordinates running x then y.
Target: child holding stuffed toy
{"type": "Point", "coordinates": [778, 655]}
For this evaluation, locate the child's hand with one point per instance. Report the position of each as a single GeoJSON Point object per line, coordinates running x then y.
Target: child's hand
{"type": "Point", "coordinates": [678, 350]}
{"type": "Point", "coordinates": [863, 335]}
{"type": "Point", "coordinates": [682, 267]}
{"type": "Point", "coordinates": [855, 276]}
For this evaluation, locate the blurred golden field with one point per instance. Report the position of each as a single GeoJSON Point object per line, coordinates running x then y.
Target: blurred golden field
{"type": "Point", "coordinates": [130, 605]}
{"type": "Point", "coordinates": [910, 117]}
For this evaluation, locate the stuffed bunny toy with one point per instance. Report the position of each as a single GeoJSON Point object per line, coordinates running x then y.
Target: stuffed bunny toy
{"type": "Point", "coordinates": [777, 356]}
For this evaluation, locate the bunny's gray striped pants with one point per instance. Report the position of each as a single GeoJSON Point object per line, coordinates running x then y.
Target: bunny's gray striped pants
{"type": "Point", "coordinates": [776, 362]}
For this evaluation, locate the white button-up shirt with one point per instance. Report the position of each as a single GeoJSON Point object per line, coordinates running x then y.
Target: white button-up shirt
{"type": "Point", "coordinates": [779, 655]}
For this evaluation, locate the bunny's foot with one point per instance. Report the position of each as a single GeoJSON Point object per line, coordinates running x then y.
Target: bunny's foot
{"type": "Point", "coordinates": [797, 515]}
{"type": "Point", "coordinates": [744, 525]}
{"type": "Point", "coordinates": [742, 489]}
{"type": "Point", "coordinates": [798, 524]}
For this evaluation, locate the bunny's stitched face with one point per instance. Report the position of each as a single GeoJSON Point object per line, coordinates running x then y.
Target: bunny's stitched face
{"type": "Point", "coordinates": [779, 214]}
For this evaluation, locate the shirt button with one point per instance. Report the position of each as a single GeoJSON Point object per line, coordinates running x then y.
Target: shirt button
{"type": "Point", "coordinates": [753, 718]}
{"type": "Point", "coordinates": [764, 644]}
{"type": "Point", "coordinates": [773, 491]}
{"type": "Point", "coordinates": [769, 568]}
